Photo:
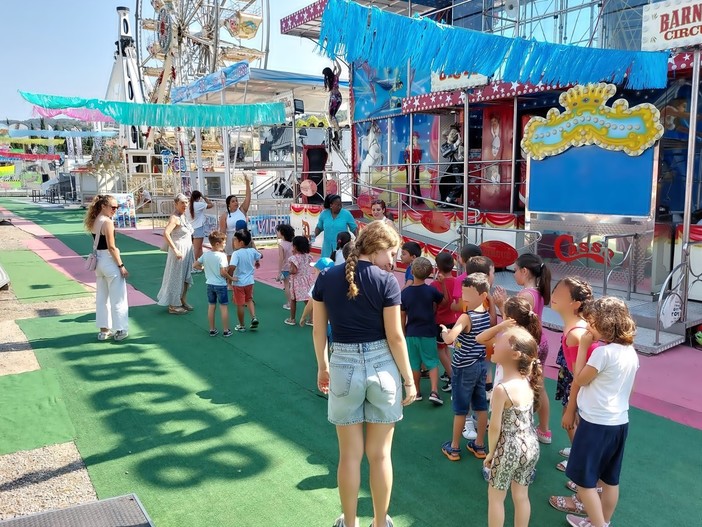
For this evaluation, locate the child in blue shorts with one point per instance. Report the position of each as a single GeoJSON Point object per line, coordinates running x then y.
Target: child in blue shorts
{"type": "Point", "coordinates": [606, 381]}
{"type": "Point", "coordinates": [419, 303]}
{"type": "Point", "coordinates": [216, 275]}
{"type": "Point", "coordinates": [469, 370]}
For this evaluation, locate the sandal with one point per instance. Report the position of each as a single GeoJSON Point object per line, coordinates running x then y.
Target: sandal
{"type": "Point", "coordinates": [176, 310]}
{"type": "Point", "coordinates": [574, 488]}
{"type": "Point", "coordinates": [562, 465]}
{"type": "Point", "coordinates": [560, 504]}
{"type": "Point", "coordinates": [565, 452]}
{"type": "Point", "coordinates": [187, 307]}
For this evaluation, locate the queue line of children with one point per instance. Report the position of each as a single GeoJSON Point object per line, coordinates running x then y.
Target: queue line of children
{"type": "Point", "coordinates": [520, 351]}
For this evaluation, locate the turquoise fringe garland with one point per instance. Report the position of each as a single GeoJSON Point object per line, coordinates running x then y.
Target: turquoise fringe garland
{"type": "Point", "coordinates": [186, 115]}
{"type": "Point", "coordinates": [383, 39]}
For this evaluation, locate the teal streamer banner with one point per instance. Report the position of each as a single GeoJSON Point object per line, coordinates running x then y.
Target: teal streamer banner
{"type": "Point", "coordinates": [368, 34]}
{"type": "Point", "coordinates": [189, 116]}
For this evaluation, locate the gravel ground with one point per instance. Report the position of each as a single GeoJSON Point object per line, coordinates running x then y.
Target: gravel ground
{"type": "Point", "coordinates": [52, 477]}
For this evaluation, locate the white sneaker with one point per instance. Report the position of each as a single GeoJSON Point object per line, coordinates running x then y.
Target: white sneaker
{"type": "Point", "coordinates": [121, 335]}
{"type": "Point", "coordinates": [469, 430]}
{"type": "Point", "coordinates": [286, 306]}
{"type": "Point", "coordinates": [104, 335]}
{"type": "Point", "coordinates": [488, 395]}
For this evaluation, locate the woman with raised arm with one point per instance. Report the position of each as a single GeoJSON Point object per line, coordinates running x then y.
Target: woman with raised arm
{"type": "Point", "coordinates": [235, 212]}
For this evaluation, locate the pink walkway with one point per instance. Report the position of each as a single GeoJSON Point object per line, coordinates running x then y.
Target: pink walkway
{"type": "Point", "coordinates": [65, 260]}
{"type": "Point", "coordinates": [667, 384]}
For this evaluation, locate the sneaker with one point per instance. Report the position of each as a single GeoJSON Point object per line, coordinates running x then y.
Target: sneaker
{"type": "Point", "coordinates": [388, 522]}
{"type": "Point", "coordinates": [445, 378]}
{"type": "Point", "coordinates": [579, 521]}
{"type": "Point", "coordinates": [543, 437]}
{"type": "Point", "coordinates": [424, 374]}
{"type": "Point", "coordinates": [309, 323]}
{"type": "Point", "coordinates": [418, 397]}
{"type": "Point", "coordinates": [488, 395]}
{"type": "Point", "coordinates": [434, 398]}
{"type": "Point", "coordinates": [104, 335]}
{"type": "Point", "coordinates": [227, 333]}
{"type": "Point", "coordinates": [254, 323]}
{"type": "Point", "coordinates": [214, 333]}
{"type": "Point", "coordinates": [289, 321]}
{"type": "Point", "coordinates": [339, 522]}
{"type": "Point", "coordinates": [240, 328]}
{"type": "Point", "coordinates": [469, 430]}
{"type": "Point", "coordinates": [286, 306]}
{"type": "Point", "coordinates": [446, 387]}
{"type": "Point", "coordinates": [565, 452]}
{"type": "Point", "coordinates": [454, 454]}
{"type": "Point", "coordinates": [478, 451]}
{"type": "Point", "coordinates": [120, 334]}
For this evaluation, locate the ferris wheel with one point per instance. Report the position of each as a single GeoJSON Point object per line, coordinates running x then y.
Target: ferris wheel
{"type": "Point", "coordinates": [179, 41]}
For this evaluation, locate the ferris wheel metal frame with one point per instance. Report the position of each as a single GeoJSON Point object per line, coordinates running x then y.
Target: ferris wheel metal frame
{"type": "Point", "coordinates": [184, 40]}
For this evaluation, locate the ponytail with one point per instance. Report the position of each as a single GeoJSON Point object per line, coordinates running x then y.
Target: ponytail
{"type": "Point", "coordinates": [540, 271]}
{"type": "Point", "coordinates": [519, 310]}
{"type": "Point", "coordinates": [528, 363]}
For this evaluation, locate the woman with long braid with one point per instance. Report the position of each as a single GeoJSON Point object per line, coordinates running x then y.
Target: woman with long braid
{"type": "Point", "coordinates": [361, 300]}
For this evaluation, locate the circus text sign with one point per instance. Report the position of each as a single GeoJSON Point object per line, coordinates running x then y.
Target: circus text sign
{"type": "Point", "coordinates": [668, 25]}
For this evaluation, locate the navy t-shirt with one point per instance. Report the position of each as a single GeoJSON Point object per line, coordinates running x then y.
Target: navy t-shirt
{"type": "Point", "coordinates": [419, 303]}
{"type": "Point", "coordinates": [360, 319]}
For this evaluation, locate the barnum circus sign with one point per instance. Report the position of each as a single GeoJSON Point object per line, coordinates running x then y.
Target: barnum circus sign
{"type": "Point", "coordinates": [668, 25]}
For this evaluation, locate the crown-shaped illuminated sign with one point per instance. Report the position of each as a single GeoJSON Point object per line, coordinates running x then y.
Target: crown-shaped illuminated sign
{"type": "Point", "coordinates": [587, 121]}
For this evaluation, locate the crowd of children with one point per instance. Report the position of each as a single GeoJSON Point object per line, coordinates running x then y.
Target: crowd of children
{"type": "Point", "coordinates": [452, 323]}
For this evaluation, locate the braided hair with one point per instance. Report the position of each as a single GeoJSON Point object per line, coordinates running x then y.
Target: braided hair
{"type": "Point", "coordinates": [376, 236]}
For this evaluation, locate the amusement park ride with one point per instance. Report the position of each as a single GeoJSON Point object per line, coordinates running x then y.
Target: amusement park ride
{"type": "Point", "coordinates": [457, 157]}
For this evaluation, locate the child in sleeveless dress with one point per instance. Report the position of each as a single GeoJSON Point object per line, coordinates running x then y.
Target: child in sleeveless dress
{"type": "Point", "coordinates": [513, 445]}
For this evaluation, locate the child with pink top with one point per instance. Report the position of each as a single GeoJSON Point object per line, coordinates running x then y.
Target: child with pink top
{"type": "Point", "coordinates": [285, 234]}
{"type": "Point", "coordinates": [301, 277]}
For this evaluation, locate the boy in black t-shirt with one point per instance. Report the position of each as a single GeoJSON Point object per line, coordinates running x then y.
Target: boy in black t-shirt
{"type": "Point", "coordinates": [419, 303]}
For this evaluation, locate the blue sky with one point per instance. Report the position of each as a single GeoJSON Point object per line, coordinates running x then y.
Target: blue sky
{"type": "Point", "coordinates": [66, 48]}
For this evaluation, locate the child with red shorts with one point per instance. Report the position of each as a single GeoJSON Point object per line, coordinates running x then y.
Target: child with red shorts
{"type": "Point", "coordinates": [242, 267]}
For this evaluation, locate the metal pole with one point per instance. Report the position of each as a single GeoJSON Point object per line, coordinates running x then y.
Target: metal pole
{"type": "Point", "coordinates": [689, 173]}
{"type": "Point", "coordinates": [388, 154]}
{"type": "Point", "coordinates": [238, 134]}
{"type": "Point", "coordinates": [198, 158]}
{"type": "Point", "coordinates": [466, 126]}
{"type": "Point", "coordinates": [294, 137]}
{"type": "Point", "coordinates": [515, 145]}
{"type": "Point", "coordinates": [225, 147]}
{"type": "Point", "coordinates": [267, 18]}
{"type": "Point", "coordinates": [410, 165]}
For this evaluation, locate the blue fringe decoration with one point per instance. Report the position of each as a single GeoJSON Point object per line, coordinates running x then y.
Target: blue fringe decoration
{"type": "Point", "coordinates": [186, 115]}
{"type": "Point", "coordinates": [383, 39]}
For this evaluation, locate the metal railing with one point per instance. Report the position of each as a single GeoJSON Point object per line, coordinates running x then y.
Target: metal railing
{"type": "Point", "coordinates": [678, 287]}
{"type": "Point", "coordinates": [629, 259]}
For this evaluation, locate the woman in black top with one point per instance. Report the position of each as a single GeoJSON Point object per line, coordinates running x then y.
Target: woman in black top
{"type": "Point", "coordinates": [111, 306]}
{"type": "Point", "coordinates": [361, 300]}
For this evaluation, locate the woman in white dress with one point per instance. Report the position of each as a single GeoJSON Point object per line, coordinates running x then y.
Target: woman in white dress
{"type": "Point", "coordinates": [198, 205]}
{"type": "Point", "coordinates": [234, 213]}
{"type": "Point", "coordinates": [177, 276]}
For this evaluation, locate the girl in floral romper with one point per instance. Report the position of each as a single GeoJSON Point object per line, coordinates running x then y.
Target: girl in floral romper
{"type": "Point", "coordinates": [513, 445]}
{"type": "Point", "coordinates": [301, 277]}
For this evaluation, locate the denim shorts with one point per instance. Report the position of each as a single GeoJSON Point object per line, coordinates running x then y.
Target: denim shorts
{"type": "Point", "coordinates": [468, 388]}
{"type": "Point", "coordinates": [286, 274]}
{"type": "Point", "coordinates": [364, 384]}
{"type": "Point", "coordinates": [597, 453]}
{"type": "Point", "coordinates": [217, 294]}
{"type": "Point", "coordinates": [199, 232]}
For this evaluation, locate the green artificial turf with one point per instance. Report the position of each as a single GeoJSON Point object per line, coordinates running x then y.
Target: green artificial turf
{"type": "Point", "coordinates": [32, 412]}
{"type": "Point", "coordinates": [213, 431]}
{"type": "Point", "coordinates": [35, 280]}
